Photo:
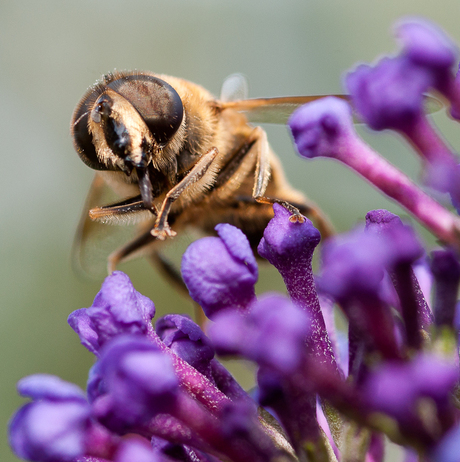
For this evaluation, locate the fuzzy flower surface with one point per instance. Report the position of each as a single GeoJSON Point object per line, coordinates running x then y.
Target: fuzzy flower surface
{"type": "Point", "coordinates": [324, 393]}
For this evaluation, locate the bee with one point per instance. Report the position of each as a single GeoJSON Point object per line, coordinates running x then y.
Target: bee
{"type": "Point", "coordinates": [179, 158]}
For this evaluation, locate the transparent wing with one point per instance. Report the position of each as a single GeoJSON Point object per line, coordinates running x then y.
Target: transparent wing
{"type": "Point", "coordinates": [95, 240]}
{"type": "Point", "coordinates": [278, 110]}
{"type": "Point", "coordinates": [234, 88]}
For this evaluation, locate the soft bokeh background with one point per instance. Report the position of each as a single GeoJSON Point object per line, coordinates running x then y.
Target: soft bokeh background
{"type": "Point", "coordinates": [51, 51]}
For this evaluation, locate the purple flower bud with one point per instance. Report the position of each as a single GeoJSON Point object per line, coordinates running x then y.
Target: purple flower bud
{"type": "Point", "coordinates": [396, 388]}
{"type": "Point", "coordinates": [293, 405]}
{"type": "Point", "coordinates": [220, 272]}
{"type": "Point", "coordinates": [49, 387]}
{"type": "Point", "coordinates": [139, 382]}
{"type": "Point", "coordinates": [352, 265]}
{"type": "Point", "coordinates": [352, 273]}
{"type": "Point", "coordinates": [429, 47]}
{"type": "Point", "coordinates": [403, 248]}
{"type": "Point", "coordinates": [240, 426]}
{"type": "Point", "coordinates": [289, 247]}
{"type": "Point", "coordinates": [187, 340]}
{"type": "Point", "coordinates": [402, 244]}
{"type": "Point", "coordinates": [95, 385]}
{"type": "Point", "coordinates": [272, 333]}
{"type": "Point", "coordinates": [53, 427]}
{"type": "Point", "coordinates": [389, 95]}
{"type": "Point", "coordinates": [283, 239]}
{"type": "Point", "coordinates": [321, 128]}
{"type": "Point", "coordinates": [117, 309]}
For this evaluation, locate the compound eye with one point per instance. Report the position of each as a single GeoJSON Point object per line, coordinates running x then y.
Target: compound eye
{"type": "Point", "coordinates": [82, 138]}
{"type": "Point", "coordinates": [156, 101]}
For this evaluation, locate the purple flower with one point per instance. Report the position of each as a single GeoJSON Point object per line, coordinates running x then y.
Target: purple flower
{"type": "Point", "coordinates": [117, 309]}
{"type": "Point", "coordinates": [272, 333]}
{"type": "Point", "coordinates": [187, 340]}
{"type": "Point", "coordinates": [352, 272]}
{"type": "Point", "coordinates": [353, 264]}
{"type": "Point", "coordinates": [427, 46]}
{"type": "Point", "coordinates": [240, 425]}
{"type": "Point", "coordinates": [289, 247]}
{"type": "Point", "coordinates": [220, 272]}
{"type": "Point", "coordinates": [394, 388]}
{"type": "Point", "coordinates": [53, 427]}
{"type": "Point", "coordinates": [322, 128]}
{"type": "Point", "coordinates": [402, 248]}
{"type": "Point", "coordinates": [400, 390]}
{"type": "Point", "coordinates": [292, 399]}
{"type": "Point", "coordinates": [141, 394]}
{"type": "Point", "coordinates": [389, 95]}
{"type": "Point", "coordinates": [138, 383]}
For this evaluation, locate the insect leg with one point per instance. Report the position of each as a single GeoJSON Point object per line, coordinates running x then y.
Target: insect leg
{"type": "Point", "coordinates": [168, 269]}
{"type": "Point", "coordinates": [262, 175]}
{"type": "Point", "coordinates": [161, 228]}
{"type": "Point", "coordinates": [128, 250]}
{"type": "Point", "coordinates": [111, 212]}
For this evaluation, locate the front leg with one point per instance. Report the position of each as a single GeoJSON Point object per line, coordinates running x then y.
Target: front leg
{"type": "Point", "coordinates": [114, 212]}
{"type": "Point", "coordinates": [262, 175]}
{"type": "Point", "coordinates": [161, 230]}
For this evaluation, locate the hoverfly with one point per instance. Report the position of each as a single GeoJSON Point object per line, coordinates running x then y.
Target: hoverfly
{"type": "Point", "coordinates": [177, 157]}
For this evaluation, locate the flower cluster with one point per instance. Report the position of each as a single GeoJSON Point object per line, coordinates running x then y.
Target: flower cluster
{"type": "Point", "coordinates": [157, 393]}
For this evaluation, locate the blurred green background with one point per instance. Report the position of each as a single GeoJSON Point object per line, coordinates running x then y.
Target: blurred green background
{"type": "Point", "coordinates": [51, 51]}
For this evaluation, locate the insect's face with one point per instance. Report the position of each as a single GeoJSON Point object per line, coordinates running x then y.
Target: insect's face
{"type": "Point", "coordinates": [125, 121]}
